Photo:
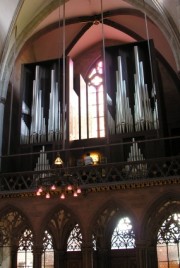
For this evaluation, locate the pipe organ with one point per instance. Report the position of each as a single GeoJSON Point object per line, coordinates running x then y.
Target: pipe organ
{"type": "Point", "coordinates": [124, 119]}
{"type": "Point", "coordinates": [54, 119]}
{"type": "Point", "coordinates": [135, 154]}
{"type": "Point", "coordinates": [145, 115]}
{"type": "Point", "coordinates": [42, 164]}
{"type": "Point", "coordinates": [42, 128]}
{"type": "Point", "coordinates": [133, 103]}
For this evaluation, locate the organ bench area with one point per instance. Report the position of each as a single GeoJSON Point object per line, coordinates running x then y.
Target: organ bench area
{"type": "Point", "coordinates": [58, 114]}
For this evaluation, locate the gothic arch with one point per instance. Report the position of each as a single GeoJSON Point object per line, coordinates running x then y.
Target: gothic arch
{"type": "Point", "coordinates": [106, 219]}
{"type": "Point", "coordinates": [59, 223]}
{"type": "Point", "coordinates": [13, 224]}
{"type": "Point", "coordinates": [157, 213]}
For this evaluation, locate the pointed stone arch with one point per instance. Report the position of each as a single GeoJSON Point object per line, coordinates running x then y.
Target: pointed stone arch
{"type": "Point", "coordinates": [106, 219]}
{"type": "Point", "coordinates": [13, 223]}
{"type": "Point", "coordinates": [159, 211]}
{"type": "Point", "coordinates": [59, 223]}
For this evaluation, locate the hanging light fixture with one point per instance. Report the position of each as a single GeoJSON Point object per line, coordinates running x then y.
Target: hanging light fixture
{"type": "Point", "coordinates": [61, 186]}
{"type": "Point", "coordinates": [58, 161]}
{"type": "Point", "coordinates": [61, 183]}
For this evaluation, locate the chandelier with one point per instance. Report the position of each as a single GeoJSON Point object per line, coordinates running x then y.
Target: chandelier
{"type": "Point", "coordinates": [59, 182]}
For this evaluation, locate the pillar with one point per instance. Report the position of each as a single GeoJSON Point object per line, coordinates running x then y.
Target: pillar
{"type": "Point", "coordinates": [14, 251]}
{"type": "Point", "coordinates": [59, 258]}
{"type": "Point", "coordinates": [87, 256]}
{"type": "Point", "coordinates": [103, 257]}
{"type": "Point", "coordinates": [146, 255]}
{"type": "Point", "coordinates": [37, 254]}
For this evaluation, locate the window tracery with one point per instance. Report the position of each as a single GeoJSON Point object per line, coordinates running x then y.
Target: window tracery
{"type": "Point", "coordinates": [123, 236]}
{"type": "Point", "coordinates": [168, 242]}
{"type": "Point", "coordinates": [75, 239]}
{"type": "Point", "coordinates": [48, 251]}
{"type": "Point", "coordinates": [8, 224]}
{"type": "Point", "coordinates": [25, 255]}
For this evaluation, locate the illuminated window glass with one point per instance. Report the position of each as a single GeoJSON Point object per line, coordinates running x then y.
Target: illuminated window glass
{"type": "Point", "coordinates": [75, 239]}
{"type": "Point", "coordinates": [96, 102]}
{"type": "Point", "coordinates": [48, 251]}
{"type": "Point", "coordinates": [94, 243]}
{"type": "Point", "coordinates": [123, 236]}
{"type": "Point", "coordinates": [25, 255]}
{"type": "Point", "coordinates": [168, 242]}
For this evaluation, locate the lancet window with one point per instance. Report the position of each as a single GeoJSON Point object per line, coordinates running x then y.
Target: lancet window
{"type": "Point", "coordinates": [25, 255]}
{"type": "Point", "coordinates": [48, 251]}
{"type": "Point", "coordinates": [168, 242]}
{"type": "Point", "coordinates": [96, 102]}
{"type": "Point", "coordinates": [75, 239]}
{"type": "Point", "coordinates": [123, 236]}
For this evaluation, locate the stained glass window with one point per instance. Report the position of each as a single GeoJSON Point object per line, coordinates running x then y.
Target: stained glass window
{"type": "Point", "coordinates": [123, 236]}
{"type": "Point", "coordinates": [168, 239]}
{"type": "Point", "coordinates": [75, 239]}
{"type": "Point", "coordinates": [25, 255]}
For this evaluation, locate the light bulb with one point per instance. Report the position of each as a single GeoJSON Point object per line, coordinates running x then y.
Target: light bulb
{"type": "Point", "coordinates": [69, 187]}
{"type": "Point", "coordinates": [62, 196]}
{"type": "Point", "coordinates": [40, 190]}
{"type": "Point", "coordinates": [75, 194]}
{"type": "Point", "coordinates": [48, 195]}
{"type": "Point", "coordinates": [38, 193]}
{"type": "Point", "coordinates": [79, 190]}
{"type": "Point", "coordinates": [53, 187]}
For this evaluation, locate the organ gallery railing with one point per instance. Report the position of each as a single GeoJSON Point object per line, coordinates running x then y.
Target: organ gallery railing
{"type": "Point", "coordinates": [137, 169]}
{"type": "Point", "coordinates": [89, 177]}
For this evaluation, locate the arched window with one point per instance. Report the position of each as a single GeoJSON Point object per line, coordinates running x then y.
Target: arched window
{"type": "Point", "coordinates": [25, 255]}
{"type": "Point", "coordinates": [96, 124]}
{"type": "Point", "coordinates": [48, 251]}
{"type": "Point", "coordinates": [123, 236]}
{"type": "Point", "coordinates": [75, 239]}
{"type": "Point", "coordinates": [168, 239]}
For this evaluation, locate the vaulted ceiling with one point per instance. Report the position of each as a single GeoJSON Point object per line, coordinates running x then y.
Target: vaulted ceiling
{"type": "Point", "coordinates": [36, 24]}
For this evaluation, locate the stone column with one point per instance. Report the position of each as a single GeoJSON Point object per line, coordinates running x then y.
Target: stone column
{"type": "Point", "coordinates": [141, 254]}
{"type": "Point", "coordinates": [59, 258]}
{"type": "Point", "coordinates": [87, 256]}
{"type": "Point", "coordinates": [103, 258]}
{"type": "Point", "coordinates": [152, 260]}
{"type": "Point", "coordinates": [14, 251]}
{"type": "Point", "coordinates": [146, 255]}
{"type": "Point", "coordinates": [37, 254]}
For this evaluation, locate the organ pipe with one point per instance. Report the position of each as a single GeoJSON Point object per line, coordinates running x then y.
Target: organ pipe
{"type": "Point", "coordinates": [136, 155]}
{"type": "Point", "coordinates": [124, 119]}
{"type": "Point", "coordinates": [145, 107]}
{"type": "Point", "coordinates": [143, 112]}
{"type": "Point", "coordinates": [54, 119]}
{"type": "Point", "coordinates": [38, 131]}
{"type": "Point", "coordinates": [42, 164]}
